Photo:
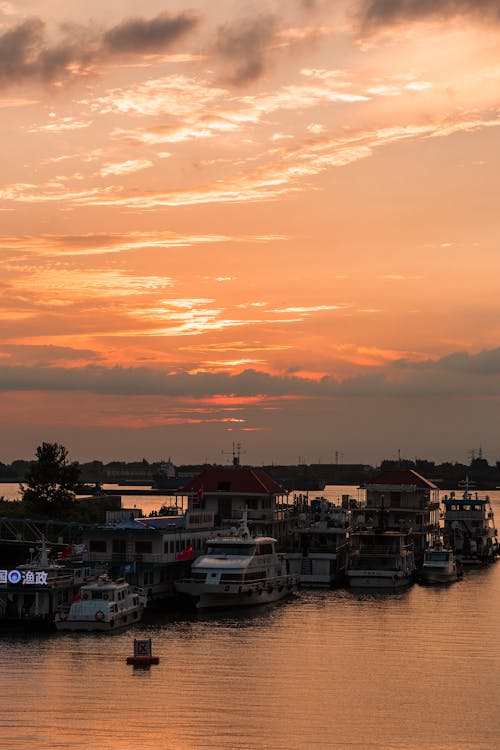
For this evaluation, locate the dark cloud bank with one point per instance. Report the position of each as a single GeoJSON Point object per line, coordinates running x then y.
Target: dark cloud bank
{"type": "Point", "coordinates": [456, 375]}
{"type": "Point", "coordinates": [26, 53]}
{"type": "Point", "coordinates": [375, 13]}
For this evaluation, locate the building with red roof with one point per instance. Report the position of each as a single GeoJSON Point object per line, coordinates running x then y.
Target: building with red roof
{"type": "Point", "coordinates": [227, 491]}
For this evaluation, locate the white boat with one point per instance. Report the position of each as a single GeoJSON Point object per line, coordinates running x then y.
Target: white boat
{"type": "Point", "coordinates": [103, 605]}
{"type": "Point", "coordinates": [238, 570]}
{"type": "Point", "coordinates": [439, 564]}
{"type": "Point", "coordinates": [469, 527]}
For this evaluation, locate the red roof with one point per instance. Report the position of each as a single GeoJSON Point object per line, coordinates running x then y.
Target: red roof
{"type": "Point", "coordinates": [402, 476]}
{"type": "Point", "coordinates": [238, 479]}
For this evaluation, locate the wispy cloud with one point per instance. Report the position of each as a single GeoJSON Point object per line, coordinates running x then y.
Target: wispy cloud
{"type": "Point", "coordinates": [53, 245]}
{"type": "Point", "coordinates": [288, 170]}
{"type": "Point", "coordinates": [125, 167]}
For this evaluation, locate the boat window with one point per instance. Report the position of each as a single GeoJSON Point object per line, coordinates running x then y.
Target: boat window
{"type": "Point", "coordinates": [142, 548]}
{"type": "Point", "coordinates": [97, 545]}
{"type": "Point", "coordinates": [438, 556]}
{"type": "Point", "coordinates": [230, 549]}
{"type": "Point", "coordinates": [265, 549]}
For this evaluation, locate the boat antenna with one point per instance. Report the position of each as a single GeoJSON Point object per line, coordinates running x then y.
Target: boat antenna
{"type": "Point", "coordinates": [236, 454]}
{"type": "Point", "coordinates": [44, 557]}
{"type": "Point", "coordinates": [244, 530]}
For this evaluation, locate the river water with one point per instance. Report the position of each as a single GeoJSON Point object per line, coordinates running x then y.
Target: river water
{"type": "Point", "coordinates": [325, 670]}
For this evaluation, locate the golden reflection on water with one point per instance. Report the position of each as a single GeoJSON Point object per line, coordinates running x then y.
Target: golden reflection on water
{"type": "Point", "coordinates": [326, 670]}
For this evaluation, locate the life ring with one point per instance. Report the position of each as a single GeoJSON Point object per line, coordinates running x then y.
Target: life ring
{"type": "Point", "coordinates": [99, 615]}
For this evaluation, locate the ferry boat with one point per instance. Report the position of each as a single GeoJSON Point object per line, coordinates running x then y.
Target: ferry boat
{"type": "Point", "coordinates": [321, 559]}
{"type": "Point", "coordinates": [103, 605]}
{"type": "Point", "coordinates": [440, 565]}
{"type": "Point", "coordinates": [31, 593]}
{"type": "Point", "coordinates": [469, 527]}
{"type": "Point", "coordinates": [238, 570]}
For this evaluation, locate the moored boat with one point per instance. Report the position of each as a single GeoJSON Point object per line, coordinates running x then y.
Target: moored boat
{"type": "Point", "coordinates": [238, 570]}
{"type": "Point", "coordinates": [469, 527]}
{"type": "Point", "coordinates": [440, 565]}
{"type": "Point", "coordinates": [380, 559]}
{"type": "Point", "coordinates": [321, 547]}
{"type": "Point", "coordinates": [31, 593]}
{"type": "Point", "coordinates": [103, 605]}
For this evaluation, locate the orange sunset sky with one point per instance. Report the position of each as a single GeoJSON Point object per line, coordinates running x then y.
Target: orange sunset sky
{"type": "Point", "coordinates": [267, 222]}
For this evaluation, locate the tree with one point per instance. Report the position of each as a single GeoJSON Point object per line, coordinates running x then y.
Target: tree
{"type": "Point", "coordinates": [50, 482]}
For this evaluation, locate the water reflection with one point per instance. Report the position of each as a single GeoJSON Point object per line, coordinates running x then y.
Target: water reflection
{"type": "Point", "coordinates": [325, 670]}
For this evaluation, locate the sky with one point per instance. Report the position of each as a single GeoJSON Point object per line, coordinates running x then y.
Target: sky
{"type": "Point", "coordinates": [263, 224]}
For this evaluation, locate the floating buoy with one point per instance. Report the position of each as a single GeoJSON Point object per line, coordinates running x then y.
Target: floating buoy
{"type": "Point", "coordinates": [142, 654]}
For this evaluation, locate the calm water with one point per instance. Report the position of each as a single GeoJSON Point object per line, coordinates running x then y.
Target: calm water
{"type": "Point", "coordinates": [326, 670]}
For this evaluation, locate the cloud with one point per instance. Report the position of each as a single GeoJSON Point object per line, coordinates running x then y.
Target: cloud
{"type": "Point", "coordinates": [380, 13]}
{"type": "Point", "coordinates": [459, 375]}
{"type": "Point", "coordinates": [26, 53]}
{"type": "Point", "coordinates": [135, 35]}
{"type": "Point", "coordinates": [245, 47]}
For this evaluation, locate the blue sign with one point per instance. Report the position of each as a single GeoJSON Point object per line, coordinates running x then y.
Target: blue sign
{"type": "Point", "coordinates": [14, 576]}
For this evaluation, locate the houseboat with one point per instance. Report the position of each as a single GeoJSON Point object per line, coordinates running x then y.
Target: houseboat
{"type": "Point", "coordinates": [380, 559]}
{"type": "Point", "coordinates": [408, 503]}
{"type": "Point", "coordinates": [322, 545]}
{"type": "Point", "coordinates": [469, 528]}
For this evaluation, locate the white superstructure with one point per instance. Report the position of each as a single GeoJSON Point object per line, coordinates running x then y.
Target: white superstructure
{"type": "Point", "coordinates": [238, 570]}
{"type": "Point", "coordinates": [103, 605]}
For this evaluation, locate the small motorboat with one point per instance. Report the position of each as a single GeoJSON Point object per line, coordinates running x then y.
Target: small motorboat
{"type": "Point", "coordinates": [105, 604]}
{"type": "Point", "coordinates": [440, 565]}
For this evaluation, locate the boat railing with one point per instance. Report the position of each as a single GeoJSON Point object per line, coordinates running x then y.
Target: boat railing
{"type": "Point", "coordinates": [123, 557]}
{"type": "Point", "coordinates": [254, 585]}
{"type": "Point", "coordinates": [381, 549]}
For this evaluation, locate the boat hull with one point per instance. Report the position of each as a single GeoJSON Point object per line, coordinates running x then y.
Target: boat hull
{"type": "Point", "coordinates": [207, 596]}
{"type": "Point", "coordinates": [119, 623]}
{"type": "Point", "coordinates": [379, 581]}
{"type": "Point", "coordinates": [439, 576]}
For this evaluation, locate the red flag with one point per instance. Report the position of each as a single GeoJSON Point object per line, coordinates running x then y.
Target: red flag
{"type": "Point", "coordinates": [67, 551]}
{"type": "Point", "coordinates": [186, 554]}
